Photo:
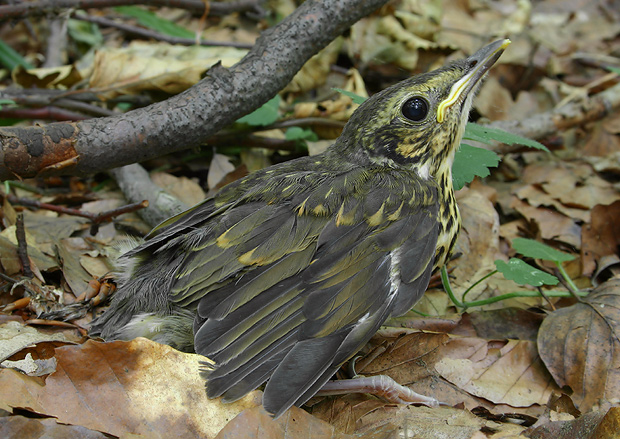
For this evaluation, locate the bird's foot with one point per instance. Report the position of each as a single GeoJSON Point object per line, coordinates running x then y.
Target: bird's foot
{"type": "Point", "coordinates": [379, 385]}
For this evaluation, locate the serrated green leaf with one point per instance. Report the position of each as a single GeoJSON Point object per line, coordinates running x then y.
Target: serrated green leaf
{"type": "Point", "coordinates": [357, 99]}
{"type": "Point", "coordinates": [538, 250]}
{"type": "Point", "coordinates": [298, 133]}
{"type": "Point", "coordinates": [265, 115]}
{"type": "Point", "coordinates": [524, 274]}
{"type": "Point", "coordinates": [486, 134]}
{"type": "Point", "coordinates": [471, 161]}
{"type": "Point", "coordinates": [152, 21]}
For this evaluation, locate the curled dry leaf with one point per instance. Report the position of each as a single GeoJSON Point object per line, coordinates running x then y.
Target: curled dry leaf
{"type": "Point", "coordinates": [580, 345]}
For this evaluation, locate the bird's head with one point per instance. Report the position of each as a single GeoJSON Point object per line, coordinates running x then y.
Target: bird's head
{"type": "Point", "coordinates": [418, 123]}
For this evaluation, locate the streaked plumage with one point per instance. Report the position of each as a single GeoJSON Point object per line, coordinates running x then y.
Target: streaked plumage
{"type": "Point", "coordinates": [287, 273]}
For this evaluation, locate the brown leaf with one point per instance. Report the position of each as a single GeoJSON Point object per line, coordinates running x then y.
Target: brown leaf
{"type": "Point", "coordinates": [69, 252]}
{"type": "Point", "coordinates": [552, 224]}
{"type": "Point", "coordinates": [123, 388]}
{"type": "Point", "coordinates": [494, 101]}
{"type": "Point", "coordinates": [183, 188]}
{"type": "Point", "coordinates": [580, 346]}
{"type": "Point", "coordinates": [295, 423]}
{"type": "Point", "coordinates": [502, 372]}
{"type": "Point", "coordinates": [422, 422]}
{"type": "Point", "coordinates": [604, 139]}
{"type": "Point", "coordinates": [601, 237]}
{"type": "Point", "coordinates": [506, 323]}
{"type": "Point", "coordinates": [591, 425]}
{"type": "Point", "coordinates": [478, 242]}
{"type": "Point", "coordinates": [408, 359]}
{"type": "Point", "coordinates": [20, 427]}
{"type": "Point", "coordinates": [344, 412]}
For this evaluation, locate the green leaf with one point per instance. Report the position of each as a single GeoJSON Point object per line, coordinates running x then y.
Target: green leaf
{"type": "Point", "coordinates": [10, 59]}
{"type": "Point", "coordinates": [524, 274]}
{"type": "Point", "coordinates": [85, 32]}
{"type": "Point", "coordinates": [538, 250]}
{"type": "Point", "coordinates": [265, 115]}
{"type": "Point", "coordinates": [298, 133]}
{"type": "Point", "coordinates": [486, 134]}
{"type": "Point", "coordinates": [470, 161]}
{"type": "Point", "coordinates": [615, 70]}
{"type": "Point", "coordinates": [357, 99]}
{"type": "Point", "coordinates": [153, 21]}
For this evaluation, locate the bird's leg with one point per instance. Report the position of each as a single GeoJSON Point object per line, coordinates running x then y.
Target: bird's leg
{"type": "Point", "coordinates": [379, 385]}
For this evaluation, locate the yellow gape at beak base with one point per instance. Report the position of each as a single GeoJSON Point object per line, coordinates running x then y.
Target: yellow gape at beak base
{"type": "Point", "coordinates": [461, 85]}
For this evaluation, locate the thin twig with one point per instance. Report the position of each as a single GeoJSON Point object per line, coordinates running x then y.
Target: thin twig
{"type": "Point", "coordinates": [47, 113]}
{"type": "Point", "coordinates": [147, 33]}
{"type": "Point", "coordinates": [108, 215]}
{"type": "Point", "coordinates": [72, 99]}
{"type": "Point", "coordinates": [22, 246]}
{"type": "Point", "coordinates": [53, 7]}
{"type": "Point", "coordinates": [95, 218]}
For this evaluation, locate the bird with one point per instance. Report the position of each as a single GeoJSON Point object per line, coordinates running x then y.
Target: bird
{"type": "Point", "coordinates": [285, 274]}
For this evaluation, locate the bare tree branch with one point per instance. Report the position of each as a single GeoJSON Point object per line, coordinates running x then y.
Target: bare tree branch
{"type": "Point", "coordinates": [136, 184]}
{"type": "Point", "coordinates": [53, 7]}
{"type": "Point", "coordinates": [185, 120]}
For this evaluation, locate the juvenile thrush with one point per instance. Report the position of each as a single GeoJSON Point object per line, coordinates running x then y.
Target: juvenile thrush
{"type": "Point", "coordinates": [285, 274]}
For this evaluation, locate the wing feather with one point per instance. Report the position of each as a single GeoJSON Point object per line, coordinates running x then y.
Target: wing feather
{"type": "Point", "coordinates": [293, 316]}
{"type": "Point", "coordinates": [289, 281]}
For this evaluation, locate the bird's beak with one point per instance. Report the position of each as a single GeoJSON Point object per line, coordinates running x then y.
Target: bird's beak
{"type": "Point", "coordinates": [478, 64]}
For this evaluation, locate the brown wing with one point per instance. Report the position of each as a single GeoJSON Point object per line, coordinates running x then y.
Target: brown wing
{"type": "Point", "coordinates": [304, 292]}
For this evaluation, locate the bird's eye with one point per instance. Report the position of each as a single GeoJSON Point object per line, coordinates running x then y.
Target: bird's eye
{"type": "Point", "coordinates": [415, 109]}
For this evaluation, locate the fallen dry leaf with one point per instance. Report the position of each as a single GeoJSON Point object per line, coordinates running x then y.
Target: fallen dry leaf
{"type": "Point", "coordinates": [580, 346]}
{"type": "Point", "coordinates": [20, 427]}
{"type": "Point", "coordinates": [478, 242]}
{"type": "Point", "coordinates": [218, 169]}
{"type": "Point", "coordinates": [506, 323]}
{"type": "Point", "coordinates": [123, 388]}
{"type": "Point", "coordinates": [407, 360]}
{"type": "Point", "coordinates": [589, 426]}
{"type": "Point", "coordinates": [552, 224]}
{"type": "Point", "coordinates": [295, 423]}
{"type": "Point", "coordinates": [162, 67]}
{"type": "Point", "coordinates": [186, 190]}
{"type": "Point", "coordinates": [422, 422]}
{"type": "Point", "coordinates": [502, 372]}
{"type": "Point", "coordinates": [15, 337]}
{"type": "Point", "coordinates": [601, 237]}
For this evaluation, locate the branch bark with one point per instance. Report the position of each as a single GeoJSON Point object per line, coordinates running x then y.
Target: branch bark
{"type": "Point", "coordinates": [54, 7]}
{"type": "Point", "coordinates": [185, 120]}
